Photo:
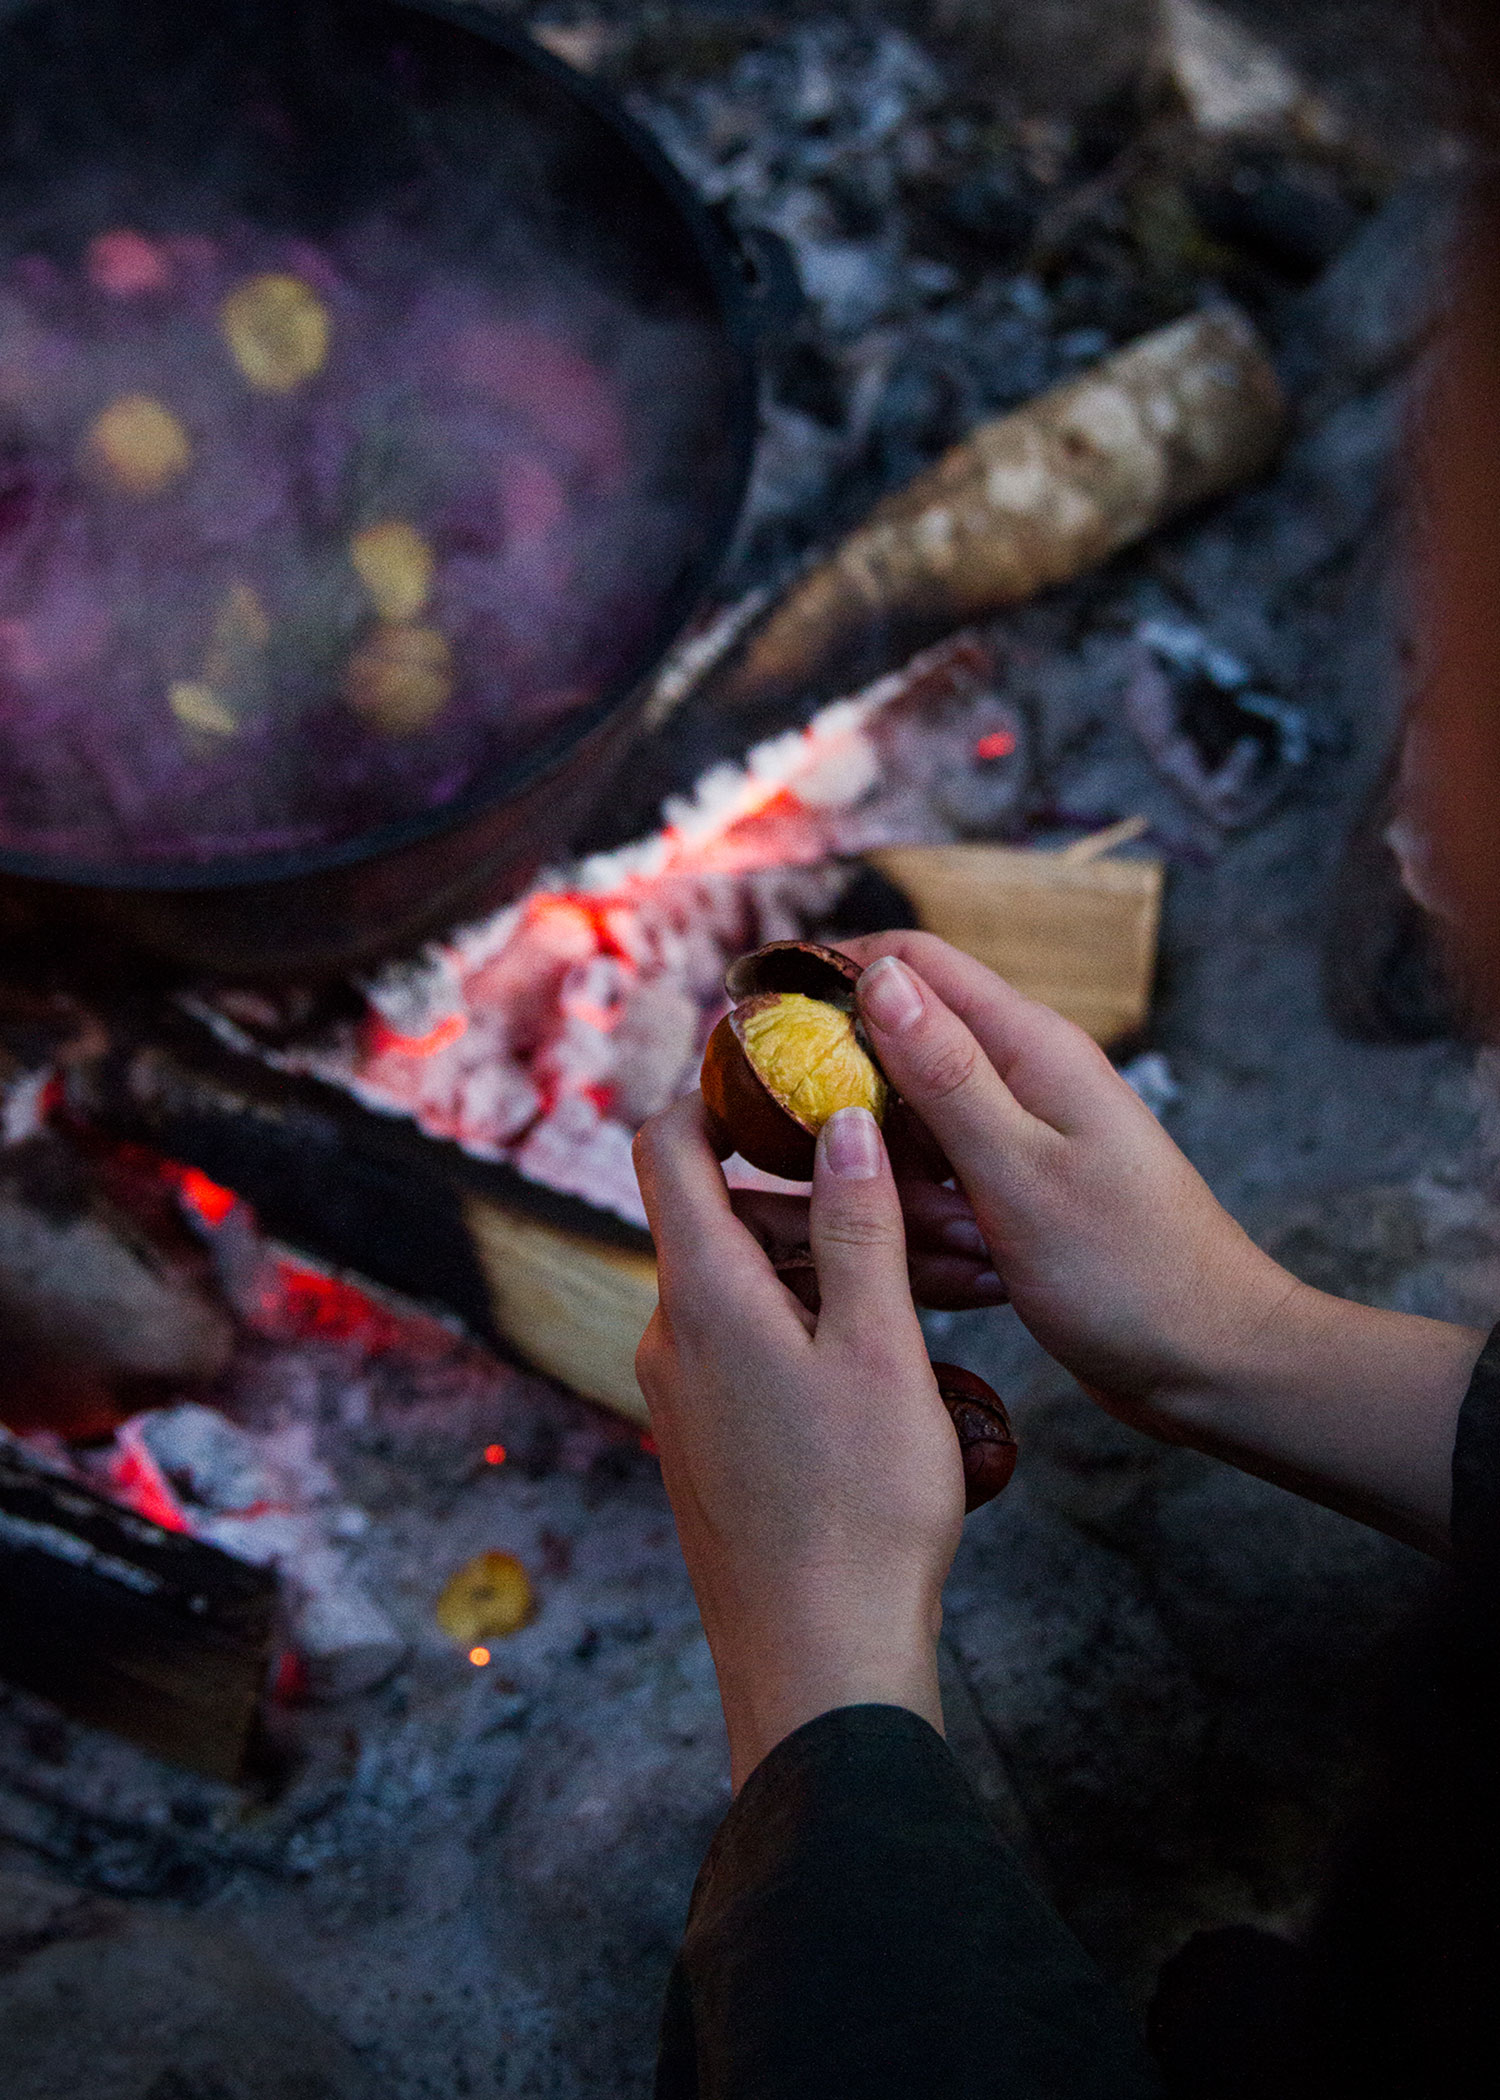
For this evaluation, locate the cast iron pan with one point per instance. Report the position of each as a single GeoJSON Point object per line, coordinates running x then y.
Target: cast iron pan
{"type": "Point", "coordinates": [296, 120]}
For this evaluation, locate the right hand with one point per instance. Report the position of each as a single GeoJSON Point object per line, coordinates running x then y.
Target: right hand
{"type": "Point", "coordinates": [1110, 1245]}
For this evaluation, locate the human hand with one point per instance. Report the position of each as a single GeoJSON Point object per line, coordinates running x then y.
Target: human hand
{"type": "Point", "coordinates": [1126, 1268]}
{"type": "Point", "coordinates": [812, 1468]}
{"type": "Point", "coordinates": [1110, 1245]}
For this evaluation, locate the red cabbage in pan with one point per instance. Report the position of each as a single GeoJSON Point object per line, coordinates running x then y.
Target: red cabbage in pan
{"type": "Point", "coordinates": [299, 536]}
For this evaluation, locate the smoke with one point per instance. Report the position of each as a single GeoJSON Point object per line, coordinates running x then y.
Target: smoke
{"type": "Point", "coordinates": [336, 482]}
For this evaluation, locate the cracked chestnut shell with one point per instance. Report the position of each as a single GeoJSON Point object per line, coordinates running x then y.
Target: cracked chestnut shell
{"type": "Point", "coordinates": [985, 1436]}
{"type": "Point", "coordinates": [788, 1055]}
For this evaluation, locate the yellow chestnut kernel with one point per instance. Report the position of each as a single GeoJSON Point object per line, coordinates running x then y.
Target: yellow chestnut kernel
{"type": "Point", "coordinates": [487, 1598]}
{"type": "Point", "coordinates": [277, 330]}
{"type": "Point", "coordinates": [807, 1053]}
{"type": "Point", "coordinates": [198, 707]}
{"type": "Point", "coordinates": [399, 678]}
{"type": "Point", "coordinates": [394, 563]}
{"type": "Point", "coordinates": [138, 445]}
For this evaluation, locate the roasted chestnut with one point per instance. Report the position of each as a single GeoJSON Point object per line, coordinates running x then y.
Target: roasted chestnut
{"type": "Point", "coordinates": [788, 1055]}
{"type": "Point", "coordinates": [985, 1436]}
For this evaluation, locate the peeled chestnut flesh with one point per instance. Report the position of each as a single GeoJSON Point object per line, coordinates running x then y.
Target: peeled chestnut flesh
{"type": "Point", "coordinates": [788, 1055]}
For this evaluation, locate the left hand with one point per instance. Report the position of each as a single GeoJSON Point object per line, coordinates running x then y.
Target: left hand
{"type": "Point", "coordinates": [812, 1468]}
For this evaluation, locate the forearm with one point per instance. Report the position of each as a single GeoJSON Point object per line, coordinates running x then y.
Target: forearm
{"type": "Point", "coordinates": [1348, 1405]}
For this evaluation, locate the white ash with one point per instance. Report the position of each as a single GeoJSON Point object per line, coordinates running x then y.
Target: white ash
{"type": "Point", "coordinates": [1232, 81]}
{"type": "Point", "coordinates": [828, 139]}
{"type": "Point", "coordinates": [218, 1467]}
{"type": "Point", "coordinates": [1151, 1077]}
{"type": "Point", "coordinates": [23, 1106]}
{"type": "Point", "coordinates": [266, 1498]}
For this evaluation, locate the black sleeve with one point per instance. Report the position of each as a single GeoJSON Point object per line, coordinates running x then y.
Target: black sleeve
{"type": "Point", "coordinates": [860, 1931]}
{"type": "Point", "coordinates": [1476, 1479]}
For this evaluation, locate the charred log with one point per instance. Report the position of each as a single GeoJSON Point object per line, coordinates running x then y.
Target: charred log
{"type": "Point", "coordinates": [128, 1626]}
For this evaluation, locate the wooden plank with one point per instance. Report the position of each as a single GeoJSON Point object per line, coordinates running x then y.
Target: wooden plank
{"type": "Point", "coordinates": [574, 1308]}
{"type": "Point", "coordinates": [1078, 934]}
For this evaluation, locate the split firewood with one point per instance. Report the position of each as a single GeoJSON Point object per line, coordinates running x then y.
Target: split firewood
{"type": "Point", "coordinates": [1076, 929]}
{"type": "Point", "coordinates": [1027, 501]}
{"type": "Point", "coordinates": [128, 1626]}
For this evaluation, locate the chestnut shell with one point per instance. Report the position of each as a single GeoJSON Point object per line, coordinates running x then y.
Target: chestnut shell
{"type": "Point", "coordinates": [985, 1437]}
{"type": "Point", "coordinates": [760, 1129]}
{"type": "Point", "coordinates": [794, 966]}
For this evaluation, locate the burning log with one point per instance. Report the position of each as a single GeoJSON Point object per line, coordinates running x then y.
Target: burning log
{"type": "Point", "coordinates": [88, 1305]}
{"type": "Point", "coordinates": [126, 1625]}
{"type": "Point", "coordinates": [543, 1276]}
{"type": "Point", "coordinates": [1027, 501]}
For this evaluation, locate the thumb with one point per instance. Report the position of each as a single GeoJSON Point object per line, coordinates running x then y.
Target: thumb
{"type": "Point", "coordinates": [857, 1232]}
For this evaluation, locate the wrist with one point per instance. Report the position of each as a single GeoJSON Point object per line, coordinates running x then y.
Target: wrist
{"type": "Point", "coordinates": [776, 1677]}
{"type": "Point", "coordinates": [1347, 1404]}
{"type": "Point", "coordinates": [1250, 1332]}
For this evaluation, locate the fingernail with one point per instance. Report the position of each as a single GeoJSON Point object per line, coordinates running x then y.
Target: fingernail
{"type": "Point", "coordinates": [889, 995]}
{"type": "Point", "coordinates": [851, 1145]}
{"type": "Point", "coordinates": [987, 1285]}
{"type": "Point", "coordinates": [963, 1236]}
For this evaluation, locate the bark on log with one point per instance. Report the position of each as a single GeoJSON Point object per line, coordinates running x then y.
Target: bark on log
{"type": "Point", "coordinates": [1027, 501]}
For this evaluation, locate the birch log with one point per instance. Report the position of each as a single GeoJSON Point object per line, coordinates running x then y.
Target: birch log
{"type": "Point", "coordinates": [1028, 500]}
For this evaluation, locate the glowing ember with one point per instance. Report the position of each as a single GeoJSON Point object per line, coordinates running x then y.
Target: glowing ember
{"type": "Point", "coordinates": [1000, 743]}
{"type": "Point", "coordinates": [494, 1454]}
{"type": "Point", "coordinates": [305, 1301]}
{"type": "Point", "coordinates": [138, 1481]}
{"type": "Point", "coordinates": [383, 1040]}
{"type": "Point", "coordinates": [205, 1198]}
{"type": "Point", "coordinates": [479, 1657]}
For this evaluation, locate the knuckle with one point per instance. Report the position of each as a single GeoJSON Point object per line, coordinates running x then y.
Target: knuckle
{"type": "Point", "coordinates": [859, 1229]}
{"type": "Point", "coordinates": [945, 1067]}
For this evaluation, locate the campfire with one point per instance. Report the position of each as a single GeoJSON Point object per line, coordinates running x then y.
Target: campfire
{"type": "Point", "coordinates": [546, 1035]}
{"type": "Point", "coordinates": [327, 1467]}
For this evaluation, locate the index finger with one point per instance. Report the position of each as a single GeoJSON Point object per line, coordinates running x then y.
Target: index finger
{"type": "Point", "coordinates": [1050, 1066]}
{"type": "Point", "coordinates": [708, 1262]}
